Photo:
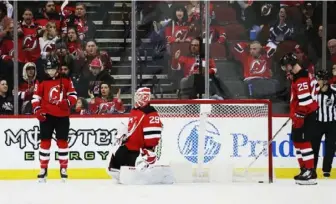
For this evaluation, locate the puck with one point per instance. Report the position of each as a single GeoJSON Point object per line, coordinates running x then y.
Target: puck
{"type": "Point", "coordinates": [260, 182]}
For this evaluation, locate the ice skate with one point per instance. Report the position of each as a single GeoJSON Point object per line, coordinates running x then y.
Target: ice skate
{"type": "Point", "coordinates": [302, 170]}
{"type": "Point", "coordinates": [64, 174]}
{"type": "Point", "coordinates": [326, 174]}
{"type": "Point", "coordinates": [308, 177]}
{"type": "Point", "coordinates": [42, 176]}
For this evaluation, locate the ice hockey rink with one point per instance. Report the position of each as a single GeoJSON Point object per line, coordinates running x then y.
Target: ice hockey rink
{"type": "Point", "coordinates": [104, 191]}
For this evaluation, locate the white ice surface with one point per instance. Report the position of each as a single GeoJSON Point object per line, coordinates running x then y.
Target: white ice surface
{"type": "Point", "coordinates": [106, 192]}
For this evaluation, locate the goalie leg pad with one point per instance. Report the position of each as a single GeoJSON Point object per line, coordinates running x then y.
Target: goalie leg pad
{"type": "Point", "coordinates": [158, 174]}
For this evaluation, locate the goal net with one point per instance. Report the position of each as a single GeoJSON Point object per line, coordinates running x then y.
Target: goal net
{"type": "Point", "coordinates": [218, 140]}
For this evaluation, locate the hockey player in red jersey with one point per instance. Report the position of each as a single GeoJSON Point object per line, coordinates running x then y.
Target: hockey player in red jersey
{"type": "Point", "coordinates": [303, 106]}
{"type": "Point", "coordinates": [138, 143]}
{"type": "Point", "coordinates": [51, 103]}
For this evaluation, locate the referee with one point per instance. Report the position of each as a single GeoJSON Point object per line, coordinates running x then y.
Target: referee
{"type": "Point", "coordinates": [326, 122]}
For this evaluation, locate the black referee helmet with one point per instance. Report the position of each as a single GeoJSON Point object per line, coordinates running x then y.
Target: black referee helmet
{"type": "Point", "coordinates": [322, 75]}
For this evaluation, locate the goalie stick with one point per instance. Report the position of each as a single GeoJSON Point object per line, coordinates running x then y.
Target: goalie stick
{"type": "Point", "coordinates": [265, 148]}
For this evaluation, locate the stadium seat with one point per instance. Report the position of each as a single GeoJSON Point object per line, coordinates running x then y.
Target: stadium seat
{"type": "Point", "coordinates": [263, 88]}
{"type": "Point", "coordinates": [283, 48]}
{"type": "Point", "coordinates": [236, 88]}
{"type": "Point", "coordinates": [225, 14]}
{"type": "Point", "coordinates": [229, 70]}
{"type": "Point", "coordinates": [235, 31]}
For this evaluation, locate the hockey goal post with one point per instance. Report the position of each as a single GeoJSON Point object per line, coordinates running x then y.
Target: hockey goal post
{"type": "Point", "coordinates": [231, 132]}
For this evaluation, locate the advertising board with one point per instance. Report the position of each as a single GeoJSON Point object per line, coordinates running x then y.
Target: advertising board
{"type": "Point", "coordinates": [90, 141]}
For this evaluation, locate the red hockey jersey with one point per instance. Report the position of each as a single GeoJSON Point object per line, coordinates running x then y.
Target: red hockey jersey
{"type": "Point", "coordinates": [253, 67]}
{"type": "Point", "coordinates": [304, 90]}
{"type": "Point", "coordinates": [178, 30]}
{"type": "Point", "coordinates": [189, 65]}
{"type": "Point", "coordinates": [48, 92]}
{"type": "Point", "coordinates": [144, 128]}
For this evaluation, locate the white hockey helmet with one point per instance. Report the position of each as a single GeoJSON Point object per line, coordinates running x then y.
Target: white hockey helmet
{"type": "Point", "coordinates": [142, 97]}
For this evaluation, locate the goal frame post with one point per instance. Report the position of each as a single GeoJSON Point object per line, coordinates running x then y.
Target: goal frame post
{"type": "Point", "coordinates": [233, 102]}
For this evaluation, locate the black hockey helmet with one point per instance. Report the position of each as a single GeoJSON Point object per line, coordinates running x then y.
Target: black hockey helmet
{"type": "Point", "coordinates": [322, 75]}
{"type": "Point", "coordinates": [51, 66]}
{"type": "Point", "coordinates": [289, 58]}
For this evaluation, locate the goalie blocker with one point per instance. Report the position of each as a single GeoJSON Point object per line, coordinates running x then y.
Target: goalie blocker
{"type": "Point", "coordinates": [134, 161]}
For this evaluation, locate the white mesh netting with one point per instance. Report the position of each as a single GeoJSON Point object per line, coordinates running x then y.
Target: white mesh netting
{"type": "Point", "coordinates": [232, 131]}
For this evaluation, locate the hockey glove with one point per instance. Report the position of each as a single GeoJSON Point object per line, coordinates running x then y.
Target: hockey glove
{"type": "Point", "coordinates": [149, 156]}
{"type": "Point", "coordinates": [298, 120]}
{"type": "Point", "coordinates": [40, 115]}
{"type": "Point", "coordinates": [64, 104]}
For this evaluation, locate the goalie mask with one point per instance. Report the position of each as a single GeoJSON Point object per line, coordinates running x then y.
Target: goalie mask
{"type": "Point", "coordinates": [288, 61]}
{"type": "Point", "coordinates": [51, 67]}
{"type": "Point", "coordinates": [142, 97]}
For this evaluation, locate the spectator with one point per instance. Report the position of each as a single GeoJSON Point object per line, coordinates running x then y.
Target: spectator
{"type": "Point", "coordinates": [48, 41]}
{"type": "Point", "coordinates": [81, 107]}
{"type": "Point", "coordinates": [257, 65]}
{"type": "Point", "coordinates": [28, 48]}
{"type": "Point", "coordinates": [190, 66]}
{"type": "Point", "coordinates": [304, 60]}
{"type": "Point", "coordinates": [91, 52]}
{"type": "Point", "coordinates": [26, 87]}
{"type": "Point", "coordinates": [281, 30]}
{"type": "Point", "coordinates": [65, 70]}
{"type": "Point", "coordinates": [49, 14]}
{"type": "Point", "coordinates": [7, 54]}
{"type": "Point", "coordinates": [6, 100]}
{"type": "Point", "coordinates": [85, 27]}
{"type": "Point", "coordinates": [74, 44]}
{"type": "Point", "coordinates": [4, 21]}
{"type": "Point", "coordinates": [333, 77]}
{"type": "Point", "coordinates": [98, 75]}
{"type": "Point", "coordinates": [64, 57]}
{"type": "Point", "coordinates": [105, 103]}
{"type": "Point", "coordinates": [315, 42]}
{"type": "Point", "coordinates": [178, 30]}
{"type": "Point", "coordinates": [332, 50]}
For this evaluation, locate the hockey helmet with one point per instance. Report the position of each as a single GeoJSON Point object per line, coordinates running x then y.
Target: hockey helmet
{"type": "Point", "coordinates": [142, 97]}
{"type": "Point", "coordinates": [288, 59]}
{"type": "Point", "coordinates": [51, 66]}
{"type": "Point", "coordinates": [322, 75]}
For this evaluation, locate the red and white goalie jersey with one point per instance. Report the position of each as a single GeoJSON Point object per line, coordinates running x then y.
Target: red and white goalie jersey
{"type": "Point", "coordinates": [304, 90]}
{"type": "Point", "coordinates": [144, 129]}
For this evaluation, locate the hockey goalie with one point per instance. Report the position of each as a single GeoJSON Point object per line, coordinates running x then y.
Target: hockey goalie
{"type": "Point", "coordinates": [134, 159]}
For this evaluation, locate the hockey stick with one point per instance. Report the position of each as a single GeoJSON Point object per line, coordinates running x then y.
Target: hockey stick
{"type": "Point", "coordinates": [265, 148]}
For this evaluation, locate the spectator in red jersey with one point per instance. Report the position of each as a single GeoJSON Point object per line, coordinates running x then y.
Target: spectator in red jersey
{"type": "Point", "coordinates": [257, 69]}
{"type": "Point", "coordinates": [26, 87]}
{"type": "Point", "coordinates": [6, 99]}
{"type": "Point", "coordinates": [7, 54]}
{"type": "Point", "coordinates": [332, 50]}
{"type": "Point", "coordinates": [48, 40]}
{"type": "Point", "coordinates": [28, 45]}
{"type": "Point", "coordinates": [303, 59]}
{"type": "Point", "coordinates": [49, 14]}
{"type": "Point", "coordinates": [190, 66]}
{"type": "Point", "coordinates": [85, 27]}
{"type": "Point", "coordinates": [105, 103]}
{"type": "Point", "coordinates": [178, 29]}
{"type": "Point", "coordinates": [73, 42]}
{"type": "Point", "coordinates": [255, 61]}
{"type": "Point", "coordinates": [81, 107]}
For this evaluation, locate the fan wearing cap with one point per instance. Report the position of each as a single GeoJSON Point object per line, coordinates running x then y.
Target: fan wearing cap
{"type": "Point", "coordinates": [303, 106]}
{"type": "Point", "coordinates": [98, 76]}
{"type": "Point", "coordinates": [53, 97]}
{"type": "Point", "coordinates": [137, 143]}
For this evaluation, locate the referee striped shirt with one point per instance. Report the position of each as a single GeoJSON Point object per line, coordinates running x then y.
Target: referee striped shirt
{"type": "Point", "coordinates": [327, 105]}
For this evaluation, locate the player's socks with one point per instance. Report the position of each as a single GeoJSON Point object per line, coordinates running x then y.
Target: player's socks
{"type": "Point", "coordinates": [307, 155]}
{"type": "Point", "coordinates": [63, 153]}
{"type": "Point", "coordinates": [299, 154]}
{"type": "Point", "coordinates": [44, 153]}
